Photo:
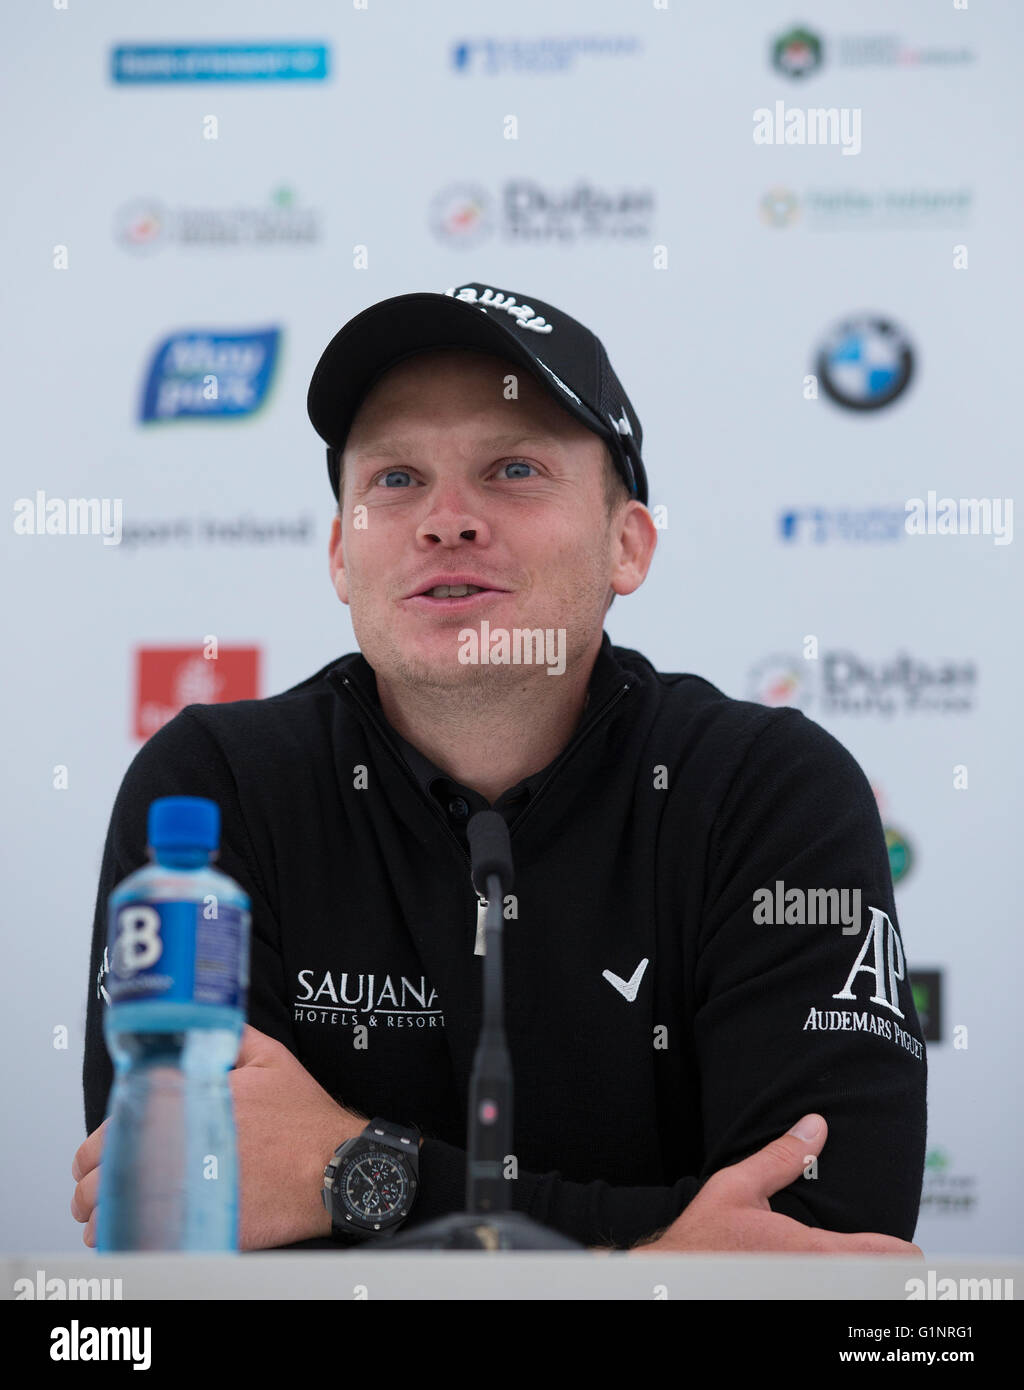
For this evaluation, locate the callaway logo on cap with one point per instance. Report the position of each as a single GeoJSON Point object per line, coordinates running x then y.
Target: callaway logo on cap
{"type": "Point", "coordinates": [564, 356]}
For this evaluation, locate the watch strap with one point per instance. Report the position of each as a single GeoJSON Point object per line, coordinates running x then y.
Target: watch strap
{"type": "Point", "coordinates": [405, 1138]}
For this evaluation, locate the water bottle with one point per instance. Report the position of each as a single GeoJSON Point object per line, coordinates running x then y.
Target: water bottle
{"type": "Point", "coordinates": [178, 977]}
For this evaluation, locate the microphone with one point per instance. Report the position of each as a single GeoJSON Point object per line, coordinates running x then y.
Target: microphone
{"type": "Point", "coordinates": [490, 1087]}
{"type": "Point", "coordinates": [487, 1223]}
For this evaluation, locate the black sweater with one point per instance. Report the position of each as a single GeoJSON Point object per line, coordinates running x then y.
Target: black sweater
{"type": "Point", "coordinates": [638, 854]}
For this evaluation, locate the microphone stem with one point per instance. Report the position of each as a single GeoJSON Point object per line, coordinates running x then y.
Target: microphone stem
{"type": "Point", "coordinates": [490, 1087]}
{"type": "Point", "coordinates": [494, 994]}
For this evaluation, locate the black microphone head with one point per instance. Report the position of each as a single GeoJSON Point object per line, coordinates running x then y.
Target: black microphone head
{"type": "Point", "coordinates": [490, 850]}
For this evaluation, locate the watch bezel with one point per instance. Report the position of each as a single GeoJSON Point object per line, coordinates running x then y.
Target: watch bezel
{"type": "Point", "coordinates": [345, 1219]}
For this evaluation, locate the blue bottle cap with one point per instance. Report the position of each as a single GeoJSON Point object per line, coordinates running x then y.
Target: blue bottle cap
{"type": "Point", "coordinates": [184, 822]}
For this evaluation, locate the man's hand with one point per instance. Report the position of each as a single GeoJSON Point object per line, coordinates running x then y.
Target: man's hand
{"type": "Point", "coordinates": [287, 1128]}
{"type": "Point", "coordinates": [731, 1210]}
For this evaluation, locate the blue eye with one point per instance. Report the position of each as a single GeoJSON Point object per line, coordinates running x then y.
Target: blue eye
{"type": "Point", "coordinates": [391, 477]}
{"type": "Point", "coordinates": [518, 463]}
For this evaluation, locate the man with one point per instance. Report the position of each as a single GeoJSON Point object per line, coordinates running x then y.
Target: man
{"type": "Point", "coordinates": [667, 1031]}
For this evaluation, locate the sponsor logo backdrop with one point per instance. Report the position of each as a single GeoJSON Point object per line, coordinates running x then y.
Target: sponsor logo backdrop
{"type": "Point", "coordinates": [812, 333]}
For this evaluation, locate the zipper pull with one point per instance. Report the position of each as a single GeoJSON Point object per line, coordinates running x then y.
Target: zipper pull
{"type": "Point", "coordinates": [480, 948]}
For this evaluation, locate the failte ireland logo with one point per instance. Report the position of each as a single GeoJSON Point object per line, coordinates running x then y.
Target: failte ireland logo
{"type": "Point", "coordinates": [200, 374]}
{"type": "Point", "coordinates": [779, 207]}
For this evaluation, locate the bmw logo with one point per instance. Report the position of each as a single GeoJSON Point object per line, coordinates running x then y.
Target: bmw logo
{"type": "Point", "coordinates": [865, 363]}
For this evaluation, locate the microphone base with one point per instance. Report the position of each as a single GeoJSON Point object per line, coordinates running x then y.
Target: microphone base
{"type": "Point", "coordinates": [474, 1231]}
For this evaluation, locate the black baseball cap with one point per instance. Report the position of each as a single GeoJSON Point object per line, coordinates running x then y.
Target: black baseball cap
{"type": "Point", "coordinates": [564, 357]}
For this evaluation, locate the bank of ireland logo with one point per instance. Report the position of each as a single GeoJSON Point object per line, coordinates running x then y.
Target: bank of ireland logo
{"type": "Point", "coordinates": [779, 681]}
{"type": "Point", "coordinates": [460, 215]}
{"type": "Point", "coordinates": [797, 53]}
{"type": "Point", "coordinates": [865, 362]}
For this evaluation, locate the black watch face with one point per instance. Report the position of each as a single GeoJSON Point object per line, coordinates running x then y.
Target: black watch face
{"type": "Point", "coordinates": [374, 1187]}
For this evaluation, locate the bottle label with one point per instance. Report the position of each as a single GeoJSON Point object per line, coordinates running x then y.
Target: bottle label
{"type": "Point", "coordinates": [179, 952]}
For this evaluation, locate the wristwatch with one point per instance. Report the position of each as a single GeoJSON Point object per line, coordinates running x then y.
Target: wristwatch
{"type": "Point", "coordinates": [371, 1181]}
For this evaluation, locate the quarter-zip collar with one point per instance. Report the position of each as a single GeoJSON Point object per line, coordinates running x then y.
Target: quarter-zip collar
{"type": "Point", "coordinates": [353, 676]}
{"type": "Point", "coordinates": [446, 949]}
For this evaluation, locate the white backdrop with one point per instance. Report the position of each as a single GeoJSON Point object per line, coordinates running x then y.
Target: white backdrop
{"type": "Point", "coordinates": [712, 268]}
